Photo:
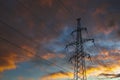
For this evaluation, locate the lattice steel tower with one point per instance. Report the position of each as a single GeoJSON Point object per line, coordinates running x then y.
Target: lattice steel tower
{"type": "Point", "coordinates": [78, 58]}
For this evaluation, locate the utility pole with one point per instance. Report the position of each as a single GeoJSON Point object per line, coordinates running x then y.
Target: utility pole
{"type": "Point", "coordinates": [78, 58]}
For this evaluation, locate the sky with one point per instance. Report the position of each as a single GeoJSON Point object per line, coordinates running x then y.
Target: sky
{"type": "Point", "coordinates": [34, 33]}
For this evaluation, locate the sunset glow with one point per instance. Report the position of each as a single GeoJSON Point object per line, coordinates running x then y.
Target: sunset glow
{"type": "Point", "coordinates": [34, 33]}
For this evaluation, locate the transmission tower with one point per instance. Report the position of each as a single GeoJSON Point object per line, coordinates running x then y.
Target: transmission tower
{"type": "Point", "coordinates": [79, 56]}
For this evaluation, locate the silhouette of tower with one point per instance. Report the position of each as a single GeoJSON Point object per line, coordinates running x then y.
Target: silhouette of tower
{"type": "Point", "coordinates": [79, 56]}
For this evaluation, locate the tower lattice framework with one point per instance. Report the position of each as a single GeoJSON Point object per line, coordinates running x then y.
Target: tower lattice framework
{"type": "Point", "coordinates": [78, 58]}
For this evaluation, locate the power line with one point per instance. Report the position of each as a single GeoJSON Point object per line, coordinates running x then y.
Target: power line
{"type": "Point", "coordinates": [19, 32]}
{"type": "Point", "coordinates": [67, 9]}
{"type": "Point", "coordinates": [10, 27]}
{"type": "Point", "coordinates": [99, 50]}
{"type": "Point", "coordinates": [59, 2]}
{"type": "Point", "coordinates": [27, 8]}
{"type": "Point", "coordinates": [32, 53]}
{"type": "Point", "coordinates": [21, 35]}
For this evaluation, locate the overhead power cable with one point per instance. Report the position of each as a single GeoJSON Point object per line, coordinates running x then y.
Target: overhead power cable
{"type": "Point", "coordinates": [59, 1]}
{"type": "Point", "coordinates": [65, 8]}
{"type": "Point", "coordinates": [7, 25]}
{"type": "Point", "coordinates": [19, 32]}
{"type": "Point", "coordinates": [32, 53]}
{"type": "Point", "coordinates": [27, 8]}
{"type": "Point", "coordinates": [99, 50]}
{"type": "Point", "coordinates": [28, 38]}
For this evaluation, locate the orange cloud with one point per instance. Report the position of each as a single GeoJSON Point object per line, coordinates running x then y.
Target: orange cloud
{"type": "Point", "coordinates": [93, 71]}
{"type": "Point", "coordinates": [109, 55]}
{"type": "Point", "coordinates": [102, 9]}
{"type": "Point", "coordinates": [30, 51]}
{"type": "Point", "coordinates": [109, 63]}
{"type": "Point", "coordinates": [96, 71]}
{"type": "Point", "coordinates": [106, 25]}
{"type": "Point", "coordinates": [106, 57]}
{"type": "Point", "coordinates": [26, 16]}
{"type": "Point", "coordinates": [108, 30]}
{"type": "Point", "coordinates": [57, 75]}
{"type": "Point", "coordinates": [51, 55]}
{"type": "Point", "coordinates": [9, 58]}
{"type": "Point", "coordinates": [108, 68]}
{"type": "Point", "coordinates": [46, 3]}
{"type": "Point", "coordinates": [7, 62]}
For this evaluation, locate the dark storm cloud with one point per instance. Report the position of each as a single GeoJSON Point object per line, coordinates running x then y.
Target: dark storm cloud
{"type": "Point", "coordinates": [44, 21]}
{"type": "Point", "coordinates": [10, 56]}
{"type": "Point", "coordinates": [110, 75]}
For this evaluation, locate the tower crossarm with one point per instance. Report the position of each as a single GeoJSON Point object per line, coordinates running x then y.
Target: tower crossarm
{"type": "Point", "coordinates": [79, 56]}
{"type": "Point", "coordinates": [86, 40]}
{"type": "Point", "coordinates": [71, 44]}
{"type": "Point", "coordinates": [82, 29]}
{"type": "Point", "coordinates": [79, 29]}
{"type": "Point", "coordinates": [72, 58]}
{"type": "Point", "coordinates": [87, 55]}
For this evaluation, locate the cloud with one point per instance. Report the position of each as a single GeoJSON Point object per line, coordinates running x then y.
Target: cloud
{"type": "Point", "coordinates": [105, 20]}
{"type": "Point", "coordinates": [23, 78]}
{"type": "Point", "coordinates": [110, 56]}
{"type": "Point", "coordinates": [7, 62]}
{"type": "Point", "coordinates": [12, 56]}
{"type": "Point", "coordinates": [96, 71]}
{"type": "Point", "coordinates": [107, 62]}
{"type": "Point", "coordinates": [93, 71]}
{"type": "Point", "coordinates": [57, 75]}
{"type": "Point", "coordinates": [47, 3]}
{"type": "Point", "coordinates": [110, 75]}
{"type": "Point", "coordinates": [44, 27]}
{"type": "Point", "coordinates": [48, 56]}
